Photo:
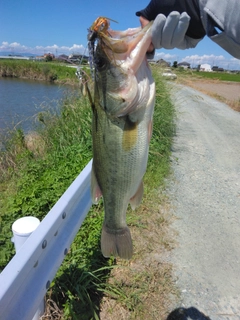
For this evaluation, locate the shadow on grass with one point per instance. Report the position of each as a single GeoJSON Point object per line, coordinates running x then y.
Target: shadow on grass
{"type": "Point", "coordinates": [78, 290]}
{"type": "Point", "coordinates": [187, 314]}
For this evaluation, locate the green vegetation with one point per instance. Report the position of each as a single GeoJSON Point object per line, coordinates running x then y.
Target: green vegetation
{"type": "Point", "coordinates": [222, 76]}
{"type": "Point", "coordinates": [34, 176]}
{"type": "Point", "coordinates": [48, 71]}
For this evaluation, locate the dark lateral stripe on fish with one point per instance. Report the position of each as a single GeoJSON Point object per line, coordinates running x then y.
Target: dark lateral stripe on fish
{"type": "Point", "coordinates": [130, 134]}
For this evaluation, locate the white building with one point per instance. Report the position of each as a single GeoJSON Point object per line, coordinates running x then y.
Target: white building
{"type": "Point", "coordinates": [205, 67]}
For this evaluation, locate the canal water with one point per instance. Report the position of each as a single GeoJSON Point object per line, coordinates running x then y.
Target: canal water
{"type": "Point", "coordinates": [21, 101]}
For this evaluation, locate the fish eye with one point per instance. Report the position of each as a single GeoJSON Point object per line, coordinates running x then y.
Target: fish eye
{"type": "Point", "coordinates": [102, 26]}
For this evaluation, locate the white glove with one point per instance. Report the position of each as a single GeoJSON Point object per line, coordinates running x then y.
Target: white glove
{"type": "Point", "coordinates": [169, 32]}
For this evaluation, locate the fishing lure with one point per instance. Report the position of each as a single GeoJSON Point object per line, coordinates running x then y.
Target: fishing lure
{"type": "Point", "coordinates": [98, 29]}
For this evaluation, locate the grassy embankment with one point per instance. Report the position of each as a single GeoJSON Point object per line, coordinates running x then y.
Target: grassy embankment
{"type": "Point", "coordinates": [222, 76]}
{"type": "Point", "coordinates": [33, 177]}
{"type": "Point", "coordinates": [47, 71]}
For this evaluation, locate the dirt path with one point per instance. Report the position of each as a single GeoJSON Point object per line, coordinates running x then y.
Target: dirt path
{"type": "Point", "coordinates": [224, 91]}
{"type": "Point", "coordinates": [227, 90]}
{"type": "Point", "coordinates": [205, 194]}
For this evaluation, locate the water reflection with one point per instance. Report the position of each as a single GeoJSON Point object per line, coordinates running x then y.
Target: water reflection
{"type": "Point", "coordinates": [21, 101]}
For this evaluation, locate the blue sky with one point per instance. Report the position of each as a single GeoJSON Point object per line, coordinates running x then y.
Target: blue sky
{"type": "Point", "coordinates": [40, 26]}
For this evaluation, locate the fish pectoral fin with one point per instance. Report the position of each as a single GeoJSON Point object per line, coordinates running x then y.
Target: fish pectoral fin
{"type": "Point", "coordinates": [96, 192]}
{"type": "Point", "coordinates": [137, 198]}
{"type": "Point", "coordinates": [116, 242]}
{"type": "Point", "coordinates": [130, 134]}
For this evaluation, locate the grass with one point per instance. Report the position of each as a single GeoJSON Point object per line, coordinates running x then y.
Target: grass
{"type": "Point", "coordinates": [47, 71]}
{"type": "Point", "coordinates": [235, 104]}
{"type": "Point", "coordinates": [87, 285]}
{"type": "Point", "coordinates": [223, 76]}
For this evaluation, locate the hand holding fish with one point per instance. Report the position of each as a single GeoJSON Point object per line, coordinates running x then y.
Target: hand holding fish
{"type": "Point", "coordinates": [169, 32]}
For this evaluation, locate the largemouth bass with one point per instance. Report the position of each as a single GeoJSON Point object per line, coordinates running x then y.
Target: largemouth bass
{"type": "Point", "coordinates": [123, 104]}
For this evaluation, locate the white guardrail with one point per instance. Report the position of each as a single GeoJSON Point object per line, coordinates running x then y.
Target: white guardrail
{"type": "Point", "coordinates": [26, 278]}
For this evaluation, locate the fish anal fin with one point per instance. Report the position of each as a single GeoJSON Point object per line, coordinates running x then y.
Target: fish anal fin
{"type": "Point", "coordinates": [116, 243]}
{"type": "Point", "coordinates": [137, 198]}
{"type": "Point", "coordinates": [96, 192]}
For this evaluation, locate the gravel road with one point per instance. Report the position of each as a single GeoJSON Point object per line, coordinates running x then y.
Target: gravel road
{"type": "Point", "coordinates": [205, 193]}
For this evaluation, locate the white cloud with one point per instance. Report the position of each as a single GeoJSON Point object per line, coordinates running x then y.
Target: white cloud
{"type": "Point", "coordinates": [16, 47]}
{"type": "Point", "coordinates": [213, 60]}
{"type": "Point", "coordinates": [12, 46]}
{"type": "Point", "coordinates": [236, 62]}
{"type": "Point", "coordinates": [195, 60]}
{"type": "Point", "coordinates": [165, 56]}
{"type": "Point", "coordinates": [77, 47]}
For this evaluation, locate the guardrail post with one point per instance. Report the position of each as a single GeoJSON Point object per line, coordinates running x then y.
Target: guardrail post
{"type": "Point", "coordinates": [22, 229]}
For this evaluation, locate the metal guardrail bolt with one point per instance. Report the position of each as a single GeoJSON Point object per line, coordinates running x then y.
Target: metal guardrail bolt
{"type": "Point", "coordinates": [48, 284]}
{"type": "Point", "coordinates": [44, 244]}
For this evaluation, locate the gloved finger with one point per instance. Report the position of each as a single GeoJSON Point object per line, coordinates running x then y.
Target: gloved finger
{"type": "Point", "coordinates": [157, 28]}
{"type": "Point", "coordinates": [180, 30]}
{"type": "Point", "coordinates": [169, 29]}
{"type": "Point", "coordinates": [174, 23]}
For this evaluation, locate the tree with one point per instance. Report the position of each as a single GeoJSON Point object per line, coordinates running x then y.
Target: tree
{"type": "Point", "coordinates": [175, 64]}
{"type": "Point", "coordinates": [49, 57]}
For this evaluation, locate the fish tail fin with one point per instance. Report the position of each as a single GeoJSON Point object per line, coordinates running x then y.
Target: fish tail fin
{"type": "Point", "coordinates": [116, 242]}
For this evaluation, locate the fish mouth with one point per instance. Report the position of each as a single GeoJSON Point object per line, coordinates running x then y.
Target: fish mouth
{"type": "Point", "coordinates": [122, 42]}
{"type": "Point", "coordinates": [115, 42]}
{"type": "Point", "coordinates": [120, 75]}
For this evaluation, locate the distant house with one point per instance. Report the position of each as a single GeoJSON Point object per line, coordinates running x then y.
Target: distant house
{"type": "Point", "coordinates": [39, 58]}
{"type": "Point", "coordinates": [205, 67]}
{"type": "Point", "coordinates": [163, 63]}
{"type": "Point", "coordinates": [47, 55]}
{"type": "Point", "coordinates": [62, 57]}
{"type": "Point", "coordinates": [184, 65]}
{"type": "Point", "coordinates": [216, 68]}
{"type": "Point", "coordinates": [77, 57]}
